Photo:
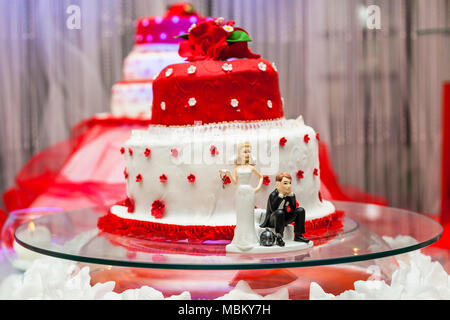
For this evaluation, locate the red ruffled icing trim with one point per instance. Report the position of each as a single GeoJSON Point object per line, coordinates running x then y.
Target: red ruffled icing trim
{"type": "Point", "coordinates": [113, 224]}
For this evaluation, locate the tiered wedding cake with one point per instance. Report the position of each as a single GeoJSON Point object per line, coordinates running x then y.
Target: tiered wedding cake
{"type": "Point", "coordinates": [155, 47]}
{"type": "Point", "coordinates": [202, 110]}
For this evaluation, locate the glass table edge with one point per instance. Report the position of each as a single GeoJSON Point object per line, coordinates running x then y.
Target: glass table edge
{"type": "Point", "coordinates": [244, 266]}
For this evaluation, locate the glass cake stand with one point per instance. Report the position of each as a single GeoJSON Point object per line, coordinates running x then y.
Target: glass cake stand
{"type": "Point", "coordinates": [338, 258]}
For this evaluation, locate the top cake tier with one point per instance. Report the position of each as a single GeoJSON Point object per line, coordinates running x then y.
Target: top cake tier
{"type": "Point", "coordinates": [213, 91]}
{"type": "Point", "coordinates": [163, 29]}
{"type": "Point", "coordinates": [223, 80]}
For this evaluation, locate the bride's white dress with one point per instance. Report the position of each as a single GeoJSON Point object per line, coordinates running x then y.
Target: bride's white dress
{"type": "Point", "coordinates": [245, 237]}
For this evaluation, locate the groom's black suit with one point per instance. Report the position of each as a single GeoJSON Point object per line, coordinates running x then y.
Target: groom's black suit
{"type": "Point", "coordinates": [278, 217]}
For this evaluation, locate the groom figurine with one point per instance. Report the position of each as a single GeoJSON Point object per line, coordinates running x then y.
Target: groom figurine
{"type": "Point", "coordinates": [277, 215]}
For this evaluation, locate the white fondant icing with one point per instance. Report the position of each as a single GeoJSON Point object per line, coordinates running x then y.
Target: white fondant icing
{"type": "Point", "coordinates": [132, 99]}
{"type": "Point", "coordinates": [146, 62]}
{"type": "Point", "coordinates": [207, 202]}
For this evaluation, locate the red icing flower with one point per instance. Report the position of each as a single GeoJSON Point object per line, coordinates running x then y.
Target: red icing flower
{"type": "Point", "coordinates": [300, 174]}
{"type": "Point", "coordinates": [213, 150]}
{"type": "Point", "coordinates": [129, 203]}
{"type": "Point", "coordinates": [139, 178]}
{"type": "Point", "coordinates": [122, 150]}
{"type": "Point", "coordinates": [147, 152]}
{"type": "Point", "coordinates": [226, 180]}
{"type": "Point", "coordinates": [316, 172]}
{"type": "Point", "coordinates": [163, 178]}
{"type": "Point", "coordinates": [320, 196]}
{"type": "Point", "coordinates": [125, 173]}
{"type": "Point", "coordinates": [306, 138]}
{"type": "Point", "coordinates": [158, 209]}
{"type": "Point", "coordinates": [209, 40]}
{"type": "Point", "coordinates": [130, 151]}
{"type": "Point", "coordinates": [191, 178]}
{"type": "Point", "coordinates": [266, 180]}
{"type": "Point", "coordinates": [283, 141]}
{"type": "Point", "coordinates": [317, 136]}
{"type": "Point", "coordinates": [174, 152]}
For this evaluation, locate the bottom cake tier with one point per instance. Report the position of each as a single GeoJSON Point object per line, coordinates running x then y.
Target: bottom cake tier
{"type": "Point", "coordinates": [174, 187]}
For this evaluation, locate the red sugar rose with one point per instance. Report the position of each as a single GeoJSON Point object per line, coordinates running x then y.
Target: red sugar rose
{"type": "Point", "coordinates": [191, 178]}
{"type": "Point", "coordinates": [210, 41]}
{"type": "Point", "coordinates": [306, 138]}
{"type": "Point", "coordinates": [158, 209]}
{"type": "Point", "coordinates": [300, 174]}
{"type": "Point", "coordinates": [130, 151]}
{"type": "Point", "coordinates": [283, 141]}
{"type": "Point", "coordinates": [122, 150]}
{"type": "Point", "coordinates": [139, 178]}
{"type": "Point", "coordinates": [266, 180]}
{"type": "Point", "coordinates": [317, 136]}
{"type": "Point", "coordinates": [316, 172]}
{"type": "Point", "coordinates": [125, 173]}
{"type": "Point", "coordinates": [163, 178]}
{"type": "Point", "coordinates": [147, 152]}
{"type": "Point", "coordinates": [174, 152]}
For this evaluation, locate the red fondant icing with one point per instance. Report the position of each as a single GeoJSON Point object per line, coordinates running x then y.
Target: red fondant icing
{"type": "Point", "coordinates": [213, 90]}
{"type": "Point", "coordinates": [283, 141]}
{"type": "Point", "coordinates": [300, 174]}
{"type": "Point", "coordinates": [147, 152]}
{"type": "Point", "coordinates": [139, 178]}
{"type": "Point", "coordinates": [306, 138]}
{"type": "Point", "coordinates": [163, 178]}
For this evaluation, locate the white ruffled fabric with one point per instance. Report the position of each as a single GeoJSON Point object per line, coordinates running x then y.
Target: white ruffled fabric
{"type": "Point", "coordinates": [417, 278]}
{"type": "Point", "coordinates": [56, 279]}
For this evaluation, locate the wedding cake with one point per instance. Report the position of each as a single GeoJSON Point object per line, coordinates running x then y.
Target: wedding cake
{"type": "Point", "coordinates": [156, 46]}
{"type": "Point", "coordinates": [202, 110]}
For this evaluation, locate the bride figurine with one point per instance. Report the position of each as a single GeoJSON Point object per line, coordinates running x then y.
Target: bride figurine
{"type": "Point", "coordinates": [245, 236]}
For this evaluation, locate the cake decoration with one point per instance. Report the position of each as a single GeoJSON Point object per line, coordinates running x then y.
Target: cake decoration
{"type": "Point", "coordinates": [215, 40]}
{"type": "Point", "coordinates": [316, 172]}
{"type": "Point", "coordinates": [266, 180]}
{"type": "Point", "coordinates": [139, 178]}
{"type": "Point", "coordinates": [163, 178]}
{"type": "Point", "coordinates": [129, 203]}
{"type": "Point", "coordinates": [277, 214]}
{"type": "Point", "coordinates": [283, 141]}
{"type": "Point", "coordinates": [192, 102]}
{"type": "Point", "coordinates": [191, 178]}
{"type": "Point", "coordinates": [306, 138]}
{"type": "Point", "coordinates": [300, 174]}
{"type": "Point", "coordinates": [147, 152]}
{"type": "Point", "coordinates": [158, 209]}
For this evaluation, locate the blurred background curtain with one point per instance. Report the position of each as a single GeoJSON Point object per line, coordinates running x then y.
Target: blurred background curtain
{"type": "Point", "coordinates": [373, 95]}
